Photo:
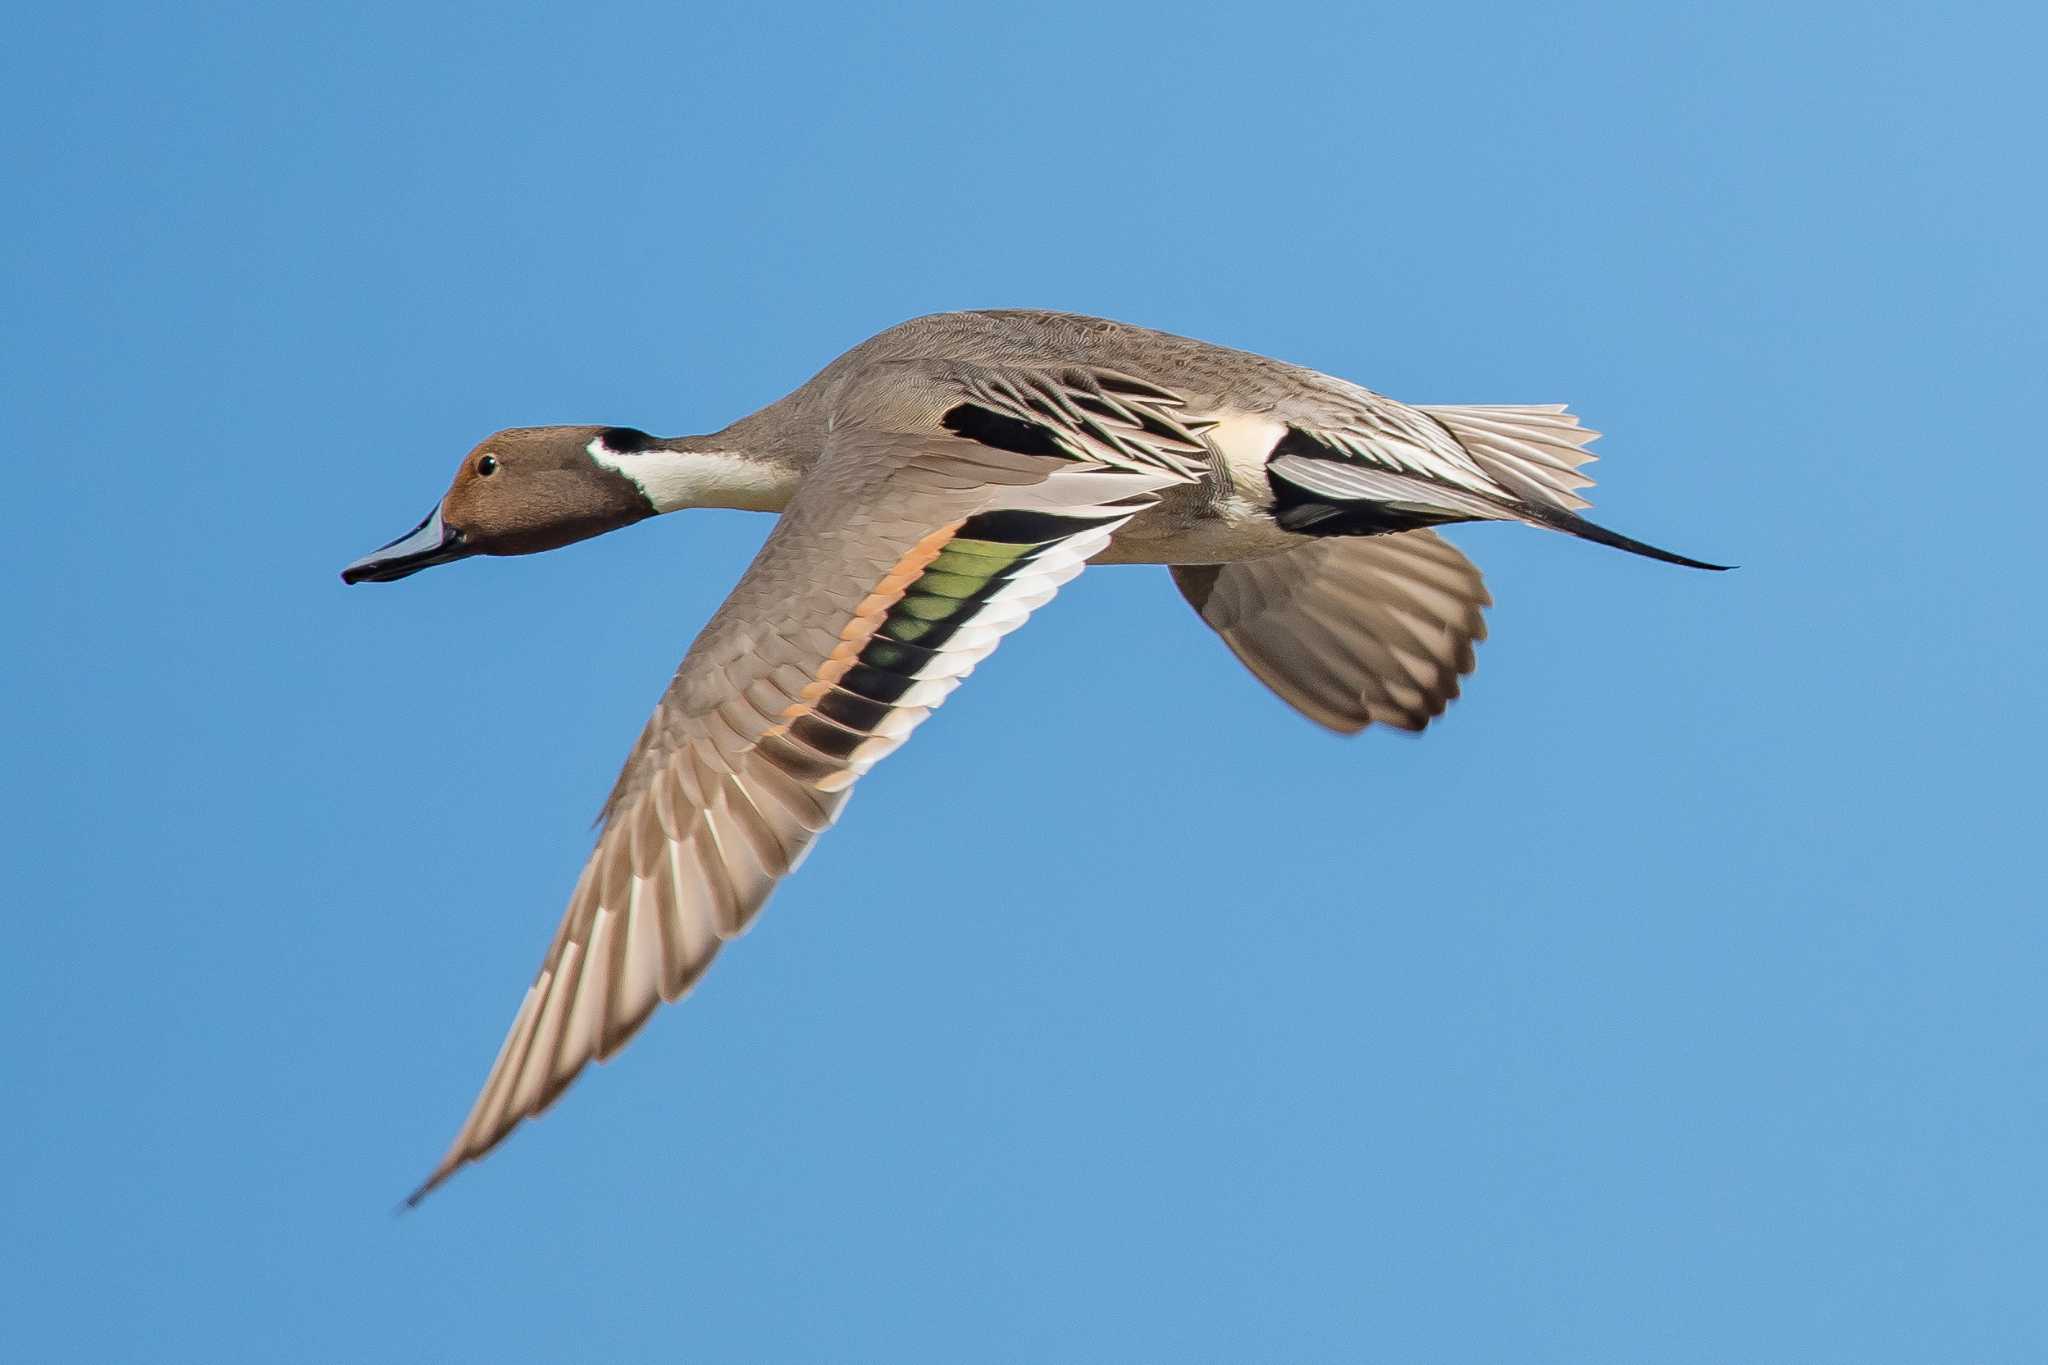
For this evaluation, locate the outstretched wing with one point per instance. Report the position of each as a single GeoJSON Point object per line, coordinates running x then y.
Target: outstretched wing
{"type": "Point", "coordinates": [900, 564]}
{"type": "Point", "coordinates": [1350, 630]}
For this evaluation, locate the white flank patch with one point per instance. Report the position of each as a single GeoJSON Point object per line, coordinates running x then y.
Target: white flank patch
{"type": "Point", "coordinates": [1244, 440]}
{"type": "Point", "coordinates": [674, 479]}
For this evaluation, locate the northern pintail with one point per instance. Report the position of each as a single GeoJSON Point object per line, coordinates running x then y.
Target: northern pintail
{"type": "Point", "coordinates": [937, 483]}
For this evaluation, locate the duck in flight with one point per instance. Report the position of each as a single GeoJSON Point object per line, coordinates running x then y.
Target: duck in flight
{"type": "Point", "coordinates": [937, 483]}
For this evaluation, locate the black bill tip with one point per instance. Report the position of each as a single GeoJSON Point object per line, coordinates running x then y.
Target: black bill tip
{"type": "Point", "coordinates": [424, 546]}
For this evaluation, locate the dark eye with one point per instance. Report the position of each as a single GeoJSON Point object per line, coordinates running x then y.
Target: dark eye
{"type": "Point", "coordinates": [487, 466]}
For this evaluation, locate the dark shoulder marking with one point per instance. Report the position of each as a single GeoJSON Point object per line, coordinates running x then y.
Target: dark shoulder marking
{"type": "Point", "coordinates": [977, 423]}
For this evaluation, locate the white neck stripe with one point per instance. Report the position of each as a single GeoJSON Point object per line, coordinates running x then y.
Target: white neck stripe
{"type": "Point", "coordinates": [675, 479]}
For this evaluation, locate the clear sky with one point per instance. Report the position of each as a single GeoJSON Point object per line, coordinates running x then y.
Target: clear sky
{"type": "Point", "coordinates": [1678, 998]}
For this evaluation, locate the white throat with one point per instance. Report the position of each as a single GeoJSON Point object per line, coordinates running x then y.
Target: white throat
{"type": "Point", "coordinates": [675, 479]}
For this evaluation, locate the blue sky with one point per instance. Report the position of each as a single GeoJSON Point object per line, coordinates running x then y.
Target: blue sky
{"type": "Point", "coordinates": [1678, 998]}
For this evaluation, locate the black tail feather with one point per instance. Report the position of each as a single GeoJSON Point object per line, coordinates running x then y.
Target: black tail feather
{"type": "Point", "coordinates": [1573, 524]}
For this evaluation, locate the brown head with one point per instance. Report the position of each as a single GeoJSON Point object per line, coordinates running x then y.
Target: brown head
{"type": "Point", "coordinates": [521, 491]}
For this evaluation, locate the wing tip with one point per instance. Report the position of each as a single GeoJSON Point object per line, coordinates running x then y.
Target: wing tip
{"type": "Point", "coordinates": [448, 1167]}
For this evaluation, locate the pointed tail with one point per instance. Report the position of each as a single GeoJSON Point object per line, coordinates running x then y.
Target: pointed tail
{"type": "Point", "coordinates": [1535, 453]}
{"type": "Point", "coordinates": [1573, 524]}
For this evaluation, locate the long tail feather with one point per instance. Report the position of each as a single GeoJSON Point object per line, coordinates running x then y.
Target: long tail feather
{"type": "Point", "coordinates": [1574, 524]}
